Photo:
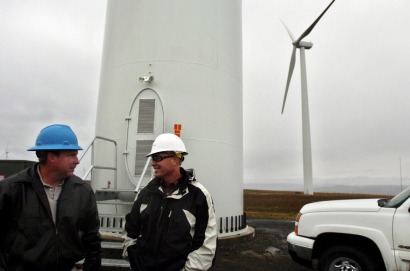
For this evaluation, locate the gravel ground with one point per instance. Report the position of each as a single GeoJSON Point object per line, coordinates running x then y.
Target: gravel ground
{"type": "Point", "coordinates": [266, 251]}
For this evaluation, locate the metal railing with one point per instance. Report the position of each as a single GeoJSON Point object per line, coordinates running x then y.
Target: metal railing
{"type": "Point", "coordinates": [91, 147]}
{"type": "Point", "coordinates": [112, 222]}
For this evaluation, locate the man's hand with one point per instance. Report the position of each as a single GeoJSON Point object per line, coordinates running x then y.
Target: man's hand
{"type": "Point", "coordinates": [127, 242]}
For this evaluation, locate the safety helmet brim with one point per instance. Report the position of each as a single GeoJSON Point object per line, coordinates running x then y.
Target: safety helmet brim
{"type": "Point", "coordinates": [68, 147]}
{"type": "Point", "coordinates": [160, 151]}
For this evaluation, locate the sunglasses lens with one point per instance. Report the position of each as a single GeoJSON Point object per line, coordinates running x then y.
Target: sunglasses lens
{"type": "Point", "coordinates": [156, 158]}
{"type": "Point", "coordinates": [159, 158]}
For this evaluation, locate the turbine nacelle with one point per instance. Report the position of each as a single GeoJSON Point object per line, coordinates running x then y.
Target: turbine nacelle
{"type": "Point", "coordinates": [305, 44]}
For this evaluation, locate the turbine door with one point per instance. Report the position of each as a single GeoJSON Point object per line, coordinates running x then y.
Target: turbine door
{"type": "Point", "coordinates": [146, 121]}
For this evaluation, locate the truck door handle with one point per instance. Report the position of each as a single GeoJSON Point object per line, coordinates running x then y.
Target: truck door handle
{"type": "Point", "coordinates": [405, 247]}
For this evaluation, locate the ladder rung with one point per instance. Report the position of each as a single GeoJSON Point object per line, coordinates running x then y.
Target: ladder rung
{"type": "Point", "coordinates": [111, 245]}
{"type": "Point", "coordinates": [111, 262]}
{"type": "Point", "coordinates": [114, 202]}
{"type": "Point", "coordinates": [107, 229]}
{"type": "Point", "coordinates": [114, 190]}
{"type": "Point", "coordinates": [115, 262]}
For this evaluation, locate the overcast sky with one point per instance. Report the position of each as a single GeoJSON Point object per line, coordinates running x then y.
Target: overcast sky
{"type": "Point", "coordinates": [358, 81]}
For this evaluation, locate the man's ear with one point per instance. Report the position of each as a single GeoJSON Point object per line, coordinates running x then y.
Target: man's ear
{"type": "Point", "coordinates": [51, 157]}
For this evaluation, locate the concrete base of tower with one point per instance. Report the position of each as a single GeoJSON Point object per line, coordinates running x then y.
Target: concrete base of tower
{"type": "Point", "coordinates": [245, 234]}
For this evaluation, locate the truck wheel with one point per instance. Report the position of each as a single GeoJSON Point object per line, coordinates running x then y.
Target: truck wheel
{"type": "Point", "coordinates": [346, 258]}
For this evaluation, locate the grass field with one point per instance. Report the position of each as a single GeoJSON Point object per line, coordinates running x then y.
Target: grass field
{"type": "Point", "coordinates": [286, 204]}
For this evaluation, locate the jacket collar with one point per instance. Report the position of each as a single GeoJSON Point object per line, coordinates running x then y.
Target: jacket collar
{"type": "Point", "coordinates": [31, 176]}
{"type": "Point", "coordinates": [187, 176]}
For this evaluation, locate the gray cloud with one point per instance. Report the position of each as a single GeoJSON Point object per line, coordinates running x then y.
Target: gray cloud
{"type": "Point", "coordinates": [357, 78]}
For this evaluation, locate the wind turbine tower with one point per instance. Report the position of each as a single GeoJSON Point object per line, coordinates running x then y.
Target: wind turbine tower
{"type": "Point", "coordinates": [168, 65]}
{"type": "Point", "coordinates": [307, 149]}
{"type": "Point", "coordinates": [7, 152]}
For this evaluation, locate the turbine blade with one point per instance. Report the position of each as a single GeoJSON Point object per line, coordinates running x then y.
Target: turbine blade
{"type": "Point", "coordinates": [307, 31]}
{"type": "Point", "coordinates": [289, 32]}
{"type": "Point", "coordinates": [291, 68]}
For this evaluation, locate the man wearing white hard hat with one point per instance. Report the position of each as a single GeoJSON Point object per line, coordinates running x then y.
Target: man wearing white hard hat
{"type": "Point", "coordinates": [48, 216]}
{"type": "Point", "coordinates": [172, 224]}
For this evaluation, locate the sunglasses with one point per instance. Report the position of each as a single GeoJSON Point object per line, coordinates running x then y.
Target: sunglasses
{"type": "Point", "coordinates": [158, 158]}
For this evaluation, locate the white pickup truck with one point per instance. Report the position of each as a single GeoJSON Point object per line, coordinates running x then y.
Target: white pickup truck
{"type": "Point", "coordinates": [361, 235]}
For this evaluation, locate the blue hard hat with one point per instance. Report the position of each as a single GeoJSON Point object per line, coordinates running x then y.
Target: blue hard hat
{"type": "Point", "coordinates": [56, 137]}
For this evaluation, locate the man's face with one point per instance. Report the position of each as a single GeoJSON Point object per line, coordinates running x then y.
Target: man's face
{"type": "Point", "coordinates": [65, 162]}
{"type": "Point", "coordinates": [166, 167]}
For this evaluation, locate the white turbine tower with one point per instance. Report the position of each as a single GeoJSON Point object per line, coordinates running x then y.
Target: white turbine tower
{"type": "Point", "coordinates": [307, 151]}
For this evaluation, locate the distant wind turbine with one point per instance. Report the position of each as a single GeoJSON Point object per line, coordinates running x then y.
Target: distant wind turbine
{"type": "Point", "coordinates": [7, 151]}
{"type": "Point", "coordinates": [307, 150]}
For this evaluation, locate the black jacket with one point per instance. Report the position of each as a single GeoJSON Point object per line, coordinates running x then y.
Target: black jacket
{"type": "Point", "coordinates": [29, 239]}
{"type": "Point", "coordinates": [172, 232]}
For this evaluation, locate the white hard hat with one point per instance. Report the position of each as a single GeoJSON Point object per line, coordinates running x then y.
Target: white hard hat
{"type": "Point", "coordinates": [167, 142]}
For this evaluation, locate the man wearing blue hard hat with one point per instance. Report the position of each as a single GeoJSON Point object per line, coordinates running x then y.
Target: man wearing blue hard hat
{"type": "Point", "coordinates": [48, 216]}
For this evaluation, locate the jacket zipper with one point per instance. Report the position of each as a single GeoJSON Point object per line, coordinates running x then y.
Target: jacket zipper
{"type": "Point", "coordinates": [57, 244]}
